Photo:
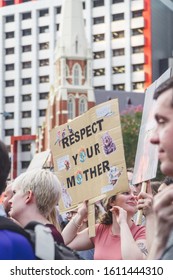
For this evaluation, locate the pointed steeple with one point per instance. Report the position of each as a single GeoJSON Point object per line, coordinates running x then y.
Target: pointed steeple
{"type": "Point", "coordinates": [72, 41]}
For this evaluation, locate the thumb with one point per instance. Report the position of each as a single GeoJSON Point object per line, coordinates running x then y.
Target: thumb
{"type": "Point", "coordinates": [149, 189]}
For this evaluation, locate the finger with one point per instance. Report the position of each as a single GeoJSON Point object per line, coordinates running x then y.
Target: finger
{"type": "Point", "coordinates": [149, 189]}
{"type": "Point", "coordinates": [163, 199]}
{"type": "Point", "coordinates": [144, 195]}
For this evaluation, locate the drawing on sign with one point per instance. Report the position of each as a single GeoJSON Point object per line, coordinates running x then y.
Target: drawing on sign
{"type": "Point", "coordinates": [108, 144]}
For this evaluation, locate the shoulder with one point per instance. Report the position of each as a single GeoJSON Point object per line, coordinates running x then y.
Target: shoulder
{"type": "Point", "coordinates": [55, 233]}
{"type": "Point", "coordinates": [101, 230]}
{"type": "Point", "coordinates": [138, 232]}
{"type": "Point", "coordinates": [15, 246]}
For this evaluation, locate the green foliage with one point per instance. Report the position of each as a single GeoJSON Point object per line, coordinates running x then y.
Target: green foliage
{"type": "Point", "coordinates": [130, 124]}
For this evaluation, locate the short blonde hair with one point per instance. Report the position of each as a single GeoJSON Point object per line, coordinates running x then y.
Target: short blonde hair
{"type": "Point", "coordinates": [45, 186]}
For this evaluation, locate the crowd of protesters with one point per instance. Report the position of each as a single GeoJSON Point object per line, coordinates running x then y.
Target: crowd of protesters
{"type": "Point", "coordinates": [34, 196]}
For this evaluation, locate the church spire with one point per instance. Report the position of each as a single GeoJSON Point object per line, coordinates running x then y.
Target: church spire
{"type": "Point", "coordinates": [72, 41]}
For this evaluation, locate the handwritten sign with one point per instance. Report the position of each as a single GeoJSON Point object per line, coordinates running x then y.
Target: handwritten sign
{"type": "Point", "coordinates": [88, 155]}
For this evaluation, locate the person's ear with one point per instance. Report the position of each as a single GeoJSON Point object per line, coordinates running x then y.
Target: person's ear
{"type": "Point", "coordinates": [29, 196]}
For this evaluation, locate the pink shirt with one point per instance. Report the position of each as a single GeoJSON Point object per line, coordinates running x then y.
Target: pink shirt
{"type": "Point", "coordinates": [108, 246]}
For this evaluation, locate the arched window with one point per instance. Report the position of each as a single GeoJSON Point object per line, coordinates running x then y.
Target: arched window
{"type": "Point", "coordinates": [83, 105]}
{"type": "Point", "coordinates": [76, 75]}
{"type": "Point", "coordinates": [85, 73]}
{"type": "Point", "coordinates": [71, 107]}
{"type": "Point", "coordinates": [67, 71]}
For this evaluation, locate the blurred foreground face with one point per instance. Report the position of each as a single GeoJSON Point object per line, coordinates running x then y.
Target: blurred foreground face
{"type": "Point", "coordinates": [163, 134]}
{"type": "Point", "coordinates": [135, 188]}
{"type": "Point", "coordinates": [70, 215]}
{"type": "Point", "coordinates": [162, 187]}
{"type": "Point", "coordinates": [8, 193]}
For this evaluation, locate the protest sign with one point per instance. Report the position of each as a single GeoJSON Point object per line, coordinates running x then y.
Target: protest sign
{"type": "Point", "coordinates": [146, 160]}
{"type": "Point", "coordinates": [88, 156]}
{"type": "Point", "coordinates": [39, 160]}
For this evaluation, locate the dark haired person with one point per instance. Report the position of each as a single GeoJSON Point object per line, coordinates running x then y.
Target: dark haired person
{"type": "Point", "coordinates": [117, 237]}
{"type": "Point", "coordinates": [163, 202]}
{"type": "Point", "coordinates": [14, 246]}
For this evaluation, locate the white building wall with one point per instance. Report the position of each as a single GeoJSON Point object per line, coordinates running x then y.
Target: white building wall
{"type": "Point", "coordinates": [107, 81]}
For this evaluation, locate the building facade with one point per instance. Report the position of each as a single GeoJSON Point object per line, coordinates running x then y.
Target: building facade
{"type": "Point", "coordinates": [120, 33]}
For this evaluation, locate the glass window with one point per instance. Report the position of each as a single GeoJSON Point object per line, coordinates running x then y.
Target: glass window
{"type": "Point", "coordinates": [9, 18]}
{"type": "Point", "coordinates": [83, 105]}
{"type": "Point", "coordinates": [98, 37]}
{"type": "Point", "coordinates": [98, 3]}
{"type": "Point", "coordinates": [26, 97]}
{"type": "Point", "coordinates": [138, 86]}
{"type": "Point", "coordinates": [43, 29]}
{"type": "Point", "coordinates": [26, 131]}
{"type": "Point", "coordinates": [9, 35]}
{"type": "Point", "coordinates": [119, 87]}
{"type": "Point", "coordinates": [118, 69]}
{"type": "Point", "coordinates": [118, 52]}
{"type": "Point", "coordinates": [44, 13]}
{"type": "Point", "coordinates": [117, 1]}
{"type": "Point", "coordinates": [71, 107]}
{"type": "Point", "coordinates": [44, 46]}
{"type": "Point", "coordinates": [99, 72]}
{"type": "Point", "coordinates": [98, 55]}
{"type": "Point", "coordinates": [43, 79]}
{"type": "Point", "coordinates": [9, 83]}
{"type": "Point", "coordinates": [27, 48]}
{"type": "Point", "coordinates": [26, 147]}
{"type": "Point", "coordinates": [138, 67]}
{"type": "Point", "coordinates": [9, 67]}
{"type": "Point", "coordinates": [25, 164]}
{"type": "Point", "coordinates": [98, 20]}
{"type": "Point", "coordinates": [76, 74]}
{"type": "Point", "coordinates": [83, 5]}
{"type": "Point", "coordinates": [26, 81]}
{"type": "Point", "coordinates": [137, 13]}
{"type": "Point", "coordinates": [9, 2]}
{"type": "Point", "coordinates": [26, 32]}
{"type": "Point", "coordinates": [58, 10]}
{"type": "Point", "coordinates": [9, 116]}
{"type": "Point", "coordinates": [26, 64]}
{"type": "Point", "coordinates": [9, 132]}
{"type": "Point", "coordinates": [117, 17]}
{"type": "Point", "coordinates": [117, 34]}
{"type": "Point", "coordinates": [138, 49]}
{"type": "Point", "coordinates": [137, 31]}
{"type": "Point", "coordinates": [26, 15]}
{"type": "Point", "coordinates": [26, 114]}
{"type": "Point", "coordinates": [9, 99]}
{"type": "Point", "coordinates": [99, 88]}
{"type": "Point", "coordinates": [43, 95]}
{"type": "Point", "coordinates": [9, 51]}
{"type": "Point", "coordinates": [43, 62]}
{"type": "Point", "coordinates": [42, 113]}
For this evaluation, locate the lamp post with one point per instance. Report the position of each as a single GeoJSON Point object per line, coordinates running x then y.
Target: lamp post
{"type": "Point", "coordinates": [5, 114]}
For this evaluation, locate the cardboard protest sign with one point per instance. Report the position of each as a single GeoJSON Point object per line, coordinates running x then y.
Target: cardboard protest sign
{"type": "Point", "coordinates": [88, 156]}
{"type": "Point", "coordinates": [39, 160]}
{"type": "Point", "coordinates": [146, 160]}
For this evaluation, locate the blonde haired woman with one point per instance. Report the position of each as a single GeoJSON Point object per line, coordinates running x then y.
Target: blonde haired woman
{"type": "Point", "coordinates": [35, 194]}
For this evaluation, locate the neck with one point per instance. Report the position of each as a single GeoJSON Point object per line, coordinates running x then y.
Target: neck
{"type": "Point", "coordinates": [30, 217]}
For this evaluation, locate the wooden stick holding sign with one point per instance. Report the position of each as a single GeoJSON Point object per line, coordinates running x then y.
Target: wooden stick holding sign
{"type": "Point", "coordinates": [140, 212]}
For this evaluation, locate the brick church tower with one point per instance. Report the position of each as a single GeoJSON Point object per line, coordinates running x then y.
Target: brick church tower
{"type": "Point", "coordinates": [72, 93]}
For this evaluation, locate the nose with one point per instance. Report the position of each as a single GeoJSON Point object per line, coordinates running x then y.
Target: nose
{"type": "Point", "coordinates": [132, 196]}
{"type": "Point", "coordinates": [154, 139]}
